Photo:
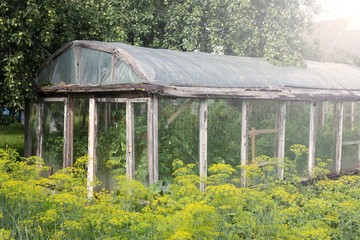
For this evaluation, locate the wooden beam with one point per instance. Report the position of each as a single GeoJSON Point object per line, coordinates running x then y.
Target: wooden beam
{"type": "Point", "coordinates": [182, 108]}
{"type": "Point", "coordinates": [312, 139]}
{"type": "Point", "coordinates": [92, 147]}
{"type": "Point", "coordinates": [203, 119]}
{"type": "Point", "coordinates": [130, 141]}
{"type": "Point", "coordinates": [68, 152]}
{"type": "Point", "coordinates": [40, 129]}
{"type": "Point", "coordinates": [28, 137]}
{"type": "Point", "coordinates": [339, 131]}
{"type": "Point", "coordinates": [281, 123]}
{"type": "Point", "coordinates": [244, 139]}
{"type": "Point", "coordinates": [153, 152]}
{"type": "Point", "coordinates": [253, 144]}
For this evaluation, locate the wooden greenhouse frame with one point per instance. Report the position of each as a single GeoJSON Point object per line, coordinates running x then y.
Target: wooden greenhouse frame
{"type": "Point", "coordinates": [149, 74]}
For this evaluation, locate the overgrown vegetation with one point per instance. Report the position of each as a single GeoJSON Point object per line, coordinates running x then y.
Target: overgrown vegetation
{"type": "Point", "coordinates": [36, 206]}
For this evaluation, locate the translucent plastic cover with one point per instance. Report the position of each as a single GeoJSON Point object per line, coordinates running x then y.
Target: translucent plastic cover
{"type": "Point", "coordinates": [101, 63]}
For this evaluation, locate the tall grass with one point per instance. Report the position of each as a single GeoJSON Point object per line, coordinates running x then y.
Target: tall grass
{"type": "Point", "coordinates": [12, 136]}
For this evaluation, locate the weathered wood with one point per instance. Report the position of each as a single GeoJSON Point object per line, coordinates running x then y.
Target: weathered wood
{"type": "Point", "coordinates": [28, 137]}
{"type": "Point", "coordinates": [281, 123]}
{"type": "Point", "coordinates": [263, 131]}
{"type": "Point", "coordinates": [92, 147]}
{"type": "Point", "coordinates": [153, 154]}
{"type": "Point", "coordinates": [130, 141]}
{"type": "Point", "coordinates": [339, 131]}
{"type": "Point", "coordinates": [355, 142]}
{"type": "Point", "coordinates": [40, 129]}
{"type": "Point", "coordinates": [352, 118]}
{"type": "Point", "coordinates": [182, 108]}
{"type": "Point", "coordinates": [253, 143]}
{"type": "Point", "coordinates": [203, 119]}
{"type": "Point", "coordinates": [122, 100]}
{"type": "Point", "coordinates": [244, 140]}
{"type": "Point", "coordinates": [145, 89]}
{"type": "Point", "coordinates": [312, 139]}
{"type": "Point", "coordinates": [68, 133]}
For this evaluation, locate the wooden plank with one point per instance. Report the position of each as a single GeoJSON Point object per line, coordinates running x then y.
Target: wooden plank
{"type": "Point", "coordinates": [244, 140]}
{"type": "Point", "coordinates": [153, 152]}
{"type": "Point", "coordinates": [352, 118]}
{"type": "Point", "coordinates": [130, 141]}
{"type": "Point", "coordinates": [355, 142]}
{"type": "Point", "coordinates": [122, 100]}
{"type": "Point", "coordinates": [40, 129]}
{"type": "Point", "coordinates": [182, 108]}
{"type": "Point", "coordinates": [92, 147]}
{"type": "Point", "coordinates": [281, 123]}
{"type": "Point", "coordinates": [253, 143]}
{"type": "Point", "coordinates": [27, 136]}
{"type": "Point", "coordinates": [155, 137]}
{"type": "Point", "coordinates": [263, 131]}
{"type": "Point", "coordinates": [68, 152]}
{"type": "Point", "coordinates": [312, 139]}
{"type": "Point", "coordinates": [339, 132]}
{"type": "Point", "coordinates": [203, 118]}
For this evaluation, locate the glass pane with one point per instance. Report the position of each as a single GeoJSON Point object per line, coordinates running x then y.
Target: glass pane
{"type": "Point", "coordinates": [297, 138]}
{"type": "Point", "coordinates": [141, 156]}
{"type": "Point", "coordinates": [351, 137]}
{"type": "Point", "coordinates": [81, 125]}
{"type": "Point", "coordinates": [178, 134]}
{"type": "Point", "coordinates": [224, 131]}
{"type": "Point", "coordinates": [111, 143]}
{"type": "Point", "coordinates": [53, 129]}
{"type": "Point", "coordinates": [326, 125]}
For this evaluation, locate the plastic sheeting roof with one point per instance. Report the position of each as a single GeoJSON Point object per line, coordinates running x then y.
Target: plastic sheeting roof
{"type": "Point", "coordinates": [91, 63]}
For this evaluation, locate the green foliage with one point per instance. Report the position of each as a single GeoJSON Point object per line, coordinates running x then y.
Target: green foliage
{"type": "Point", "coordinates": [33, 206]}
{"type": "Point", "coordinates": [32, 29]}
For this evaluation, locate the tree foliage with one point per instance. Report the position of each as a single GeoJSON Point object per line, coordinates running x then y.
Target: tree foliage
{"type": "Point", "coordinates": [33, 29]}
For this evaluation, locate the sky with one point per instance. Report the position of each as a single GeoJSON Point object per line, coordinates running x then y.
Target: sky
{"type": "Point", "coordinates": [336, 9]}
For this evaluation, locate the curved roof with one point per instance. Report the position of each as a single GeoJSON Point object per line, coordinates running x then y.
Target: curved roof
{"type": "Point", "coordinates": [85, 64]}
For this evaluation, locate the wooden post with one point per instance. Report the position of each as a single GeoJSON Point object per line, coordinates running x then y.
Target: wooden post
{"type": "Point", "coordinates": [281, 139]}
{"type": "Point", "coordinates": [312, 139]}
{"type": "Point", "coordinates": [130, 140]}
{"type": "Point", "coordinates": [244, 139]}
{"type": "Point", "coordinates": [253, 144]}
{"type": "Point", "coordinates": [40, 129]}
{"type": "Point", "coordinates": [28, 137]}
{"type": "Point", "coordinates": [153, 152]}
{"type": "Point", "coordinates": [68, 132]}
{"type": "Point", "coordinates": [92, 146]}
{"type": "Point", "coordinates": [339, 130]}
{"type": "Point", "coordinates": [203, 115]}
{"type": "Point", "coordinates": [352, 116]}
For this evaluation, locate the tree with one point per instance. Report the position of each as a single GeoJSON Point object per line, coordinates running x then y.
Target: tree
{"type": "Point", "coordinates": [33, 29]}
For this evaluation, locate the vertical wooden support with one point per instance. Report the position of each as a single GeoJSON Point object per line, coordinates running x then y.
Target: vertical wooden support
{"type": "Point", "coordinates": [281, 122]}
{"type": "Point", "coordinates": [352, 116]}
{"type": "Point", "coordinates": [40, 129]}
{"type": "Point", "coordinates": [68, 132]}
{"type": "Point", "coordinates": [253, 144]}
{"type": "Point", "coordinates": [153, 135]}
{"type": "Point", "coordinates": [339, 131]}
{"type": "Point", "coordinates": [312, 139]}
{"type": "Point", "coordinates": [92, 146]}
{"type": "Point", "coordinates": [130, 140]}
{"type": "Point", "coordinates": [28, 137]}
{"type": "Point", "coordinates": [203, 115]}
{"type": "Point", "coordinates": [244, 139]}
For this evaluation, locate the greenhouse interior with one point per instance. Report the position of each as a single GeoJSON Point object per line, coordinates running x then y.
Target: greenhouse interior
{"type": "Point", "coordinates": [134, 111]}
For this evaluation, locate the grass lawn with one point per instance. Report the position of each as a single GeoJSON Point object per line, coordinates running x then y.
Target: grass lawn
{"type": "Point", "coordinates": [12, 136]}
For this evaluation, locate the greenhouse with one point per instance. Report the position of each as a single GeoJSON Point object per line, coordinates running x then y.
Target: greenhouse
{"type": "Point", "coordinates": [136, 111]}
